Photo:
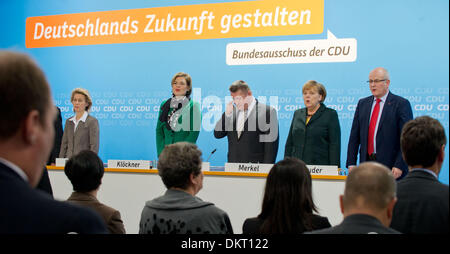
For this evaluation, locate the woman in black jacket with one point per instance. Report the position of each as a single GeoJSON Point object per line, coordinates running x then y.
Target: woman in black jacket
{"type": "Point", "coordinates": [315, 133]}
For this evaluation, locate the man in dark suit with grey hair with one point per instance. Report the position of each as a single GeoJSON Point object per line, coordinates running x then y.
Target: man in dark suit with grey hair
{"type": "Point", "coordinates": [250, 126]}
{"type": "Point", "coordinates": [377, 125]}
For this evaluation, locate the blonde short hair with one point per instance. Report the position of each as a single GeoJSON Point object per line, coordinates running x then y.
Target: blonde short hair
{"type": "Point", "coordinates": [310, 84]}
{"type": "Point", "coordinates": [86, 95]}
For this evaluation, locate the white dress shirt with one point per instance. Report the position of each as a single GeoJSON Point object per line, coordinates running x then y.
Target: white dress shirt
{"type": "Point", "coordinates": [15, 168]}
{"type": "Point", "coordinates": [382, 102]}
{"type": "Point", "coordinates": [75, 121]}
{"type": "Point", "coordinates": [241, 117]}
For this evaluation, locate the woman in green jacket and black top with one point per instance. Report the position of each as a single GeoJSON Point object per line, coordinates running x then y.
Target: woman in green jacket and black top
{"type": "Point", "coordinates": [315, 133]}
{"type": "Point", "coordinates": [179, 117]}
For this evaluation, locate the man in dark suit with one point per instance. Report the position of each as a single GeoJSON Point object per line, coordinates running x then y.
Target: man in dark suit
{"type": "Point", "coordinates": [26, 138]}
{"type": "Point", "coordinates": [377, 125]}
{"type": "Point", "coordinates": [250, 126]}
{"type": "Point", "coordinates": [423, 202]}
{"type": "Point", "coordinates": [368, 201]}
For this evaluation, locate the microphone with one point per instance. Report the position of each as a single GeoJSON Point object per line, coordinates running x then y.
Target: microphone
{"type": "Point", "coordinates": [213, 151]}
{"type": "Point", "coordinates": [180, 105]}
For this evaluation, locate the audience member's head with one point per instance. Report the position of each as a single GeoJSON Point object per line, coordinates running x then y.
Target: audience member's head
{"type": "Point", "coordinates": [370, 189]}
{"type": "Point", "coordinates": [423, 143]}
{"type": "Point", "coordinates": [287, 204]}
{"type": "Point", "coordinates": [179, 166]}
{"type": "Point", "coordinates": [85, 171]}
{"type": "Point", "coordinates": [27, 114]}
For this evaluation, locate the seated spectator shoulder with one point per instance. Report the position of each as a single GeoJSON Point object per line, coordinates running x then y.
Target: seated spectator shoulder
{"type": "Point", "coordinates": [179, 211]}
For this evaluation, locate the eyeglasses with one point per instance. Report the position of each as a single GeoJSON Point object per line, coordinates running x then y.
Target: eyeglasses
{"type": "Point", "coordinates": [376, 81]}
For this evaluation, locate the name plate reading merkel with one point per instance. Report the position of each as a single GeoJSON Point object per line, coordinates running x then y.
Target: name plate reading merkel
{"type": "Point", "coordinates": [323, 170]}
{"type": "Point", "coordinates": [129, 164]}
{"type": "Point", "coordinates": [248, 167]}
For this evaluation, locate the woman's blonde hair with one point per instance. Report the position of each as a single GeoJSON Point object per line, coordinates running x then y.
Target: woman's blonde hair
{"type": "Point", "coordinates": [86, 95]}
{"type": "Point", "coordinates": [310, 84]}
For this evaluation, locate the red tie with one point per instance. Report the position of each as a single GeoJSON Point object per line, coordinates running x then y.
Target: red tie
{"type": "Point", "coordinates": [372, 125]}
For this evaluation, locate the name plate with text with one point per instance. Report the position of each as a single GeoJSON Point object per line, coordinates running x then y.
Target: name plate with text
{"type": "Point", "coordinates": [128, 164]}
{"type": "Point", "coordinates": [323, 170]}
{"type": "Point", "coordinates": [61, 162]}
{"type": "Point", "coordinates": [205, 166]}
{"type": "Point", "coordinates": [248, 167]}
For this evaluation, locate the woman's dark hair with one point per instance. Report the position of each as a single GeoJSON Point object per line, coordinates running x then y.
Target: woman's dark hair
{"type": "Point", "coordinates": [288, 205]}
{"type": "Point", "coordinates": [85, 171]}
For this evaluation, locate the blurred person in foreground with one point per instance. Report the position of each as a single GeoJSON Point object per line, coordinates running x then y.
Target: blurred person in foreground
{"type": "Point", "coordinates": [26, 138]}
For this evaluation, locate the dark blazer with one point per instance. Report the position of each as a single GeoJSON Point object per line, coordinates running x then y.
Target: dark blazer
{"type": "Point", "coordinates": [318, 142]}
{"type": "Point", "coordinates": [253, 225]}
{"type": "Point", "coordinates": [396, 112]}
{"type": "Point", "coordinates": [58, 138]}
{"type": "Point", "coordinates": [24, 210]}
{"type": "Point", "coordinates": [259, 140]}
{"type": "Point", "coordinates": [86, 137]}
{"type": "Point", "coordinates": [358, 224]}
{"type": "Point", "coordinates": [422, 205]}
{"type": "Point", "coordinates": [110, 216]}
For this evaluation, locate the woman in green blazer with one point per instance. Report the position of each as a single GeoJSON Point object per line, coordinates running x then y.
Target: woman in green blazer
{"type": "Point", "coordinates": [315, 133]}
{"type": "Point", "coordinates": [179, 117]}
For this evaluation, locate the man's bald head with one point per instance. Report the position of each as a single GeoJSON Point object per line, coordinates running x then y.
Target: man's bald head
{"type": "Point", "coordinates": [370, 185]}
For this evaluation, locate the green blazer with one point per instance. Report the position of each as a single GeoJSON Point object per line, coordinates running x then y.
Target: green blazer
{"type": "Point", "coordinates": [318, 142]}
{"type": "Point", "coordinates": [188, 130]}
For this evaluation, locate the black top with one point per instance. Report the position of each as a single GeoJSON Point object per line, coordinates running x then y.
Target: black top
{"type": "Point", "coordinates": [253, 225]}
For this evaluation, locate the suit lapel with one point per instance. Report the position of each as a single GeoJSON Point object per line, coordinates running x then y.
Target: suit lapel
{"type": "Point", "coordinates": [302, 117]}
{"type": "Point", "coordinates": [317, 115]}
{"type": "Point", "coordinates": [386, 110]}
{"type": "Point", "coordinates": [367, 107]}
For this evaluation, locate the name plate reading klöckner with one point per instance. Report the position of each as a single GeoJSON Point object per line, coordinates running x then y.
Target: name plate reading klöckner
{"type": "Point", "coordinates": [323, 170]}
{"type": "Point", "coordinates": [136, 164]}
{"type": "Point", "coordinates": [248, 167]}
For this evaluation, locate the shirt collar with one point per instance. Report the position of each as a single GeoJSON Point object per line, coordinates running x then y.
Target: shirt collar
{"type": "Point", "coordinates": [425, 170]}
{"type": "Point", "coordinates": [15, 168]}
{"type": "Point", "coordinates": [383, 99]}
{"type": "Point", "coordinates": [83, 117]}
